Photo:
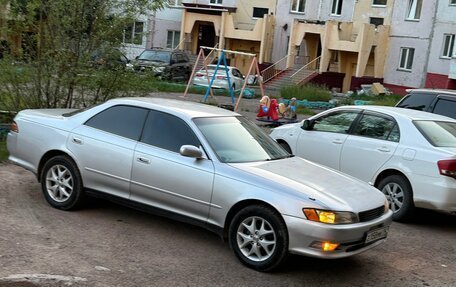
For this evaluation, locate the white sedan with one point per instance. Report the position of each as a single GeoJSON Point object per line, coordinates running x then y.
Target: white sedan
{"type": "Point", "coordinates": [221, 79]}
{"type": "Point", "coordinates": [409, 155]}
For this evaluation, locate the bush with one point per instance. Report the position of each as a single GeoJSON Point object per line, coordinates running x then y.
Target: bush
{"type": "Point", "coordinates": [310, 92]}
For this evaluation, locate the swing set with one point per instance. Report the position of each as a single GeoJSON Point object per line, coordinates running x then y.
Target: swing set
{"type": "Point", "coordinates": [222, 64]}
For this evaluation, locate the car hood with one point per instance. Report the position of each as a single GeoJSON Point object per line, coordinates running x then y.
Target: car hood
{"type": "Point", "coordinates": [306, 180]}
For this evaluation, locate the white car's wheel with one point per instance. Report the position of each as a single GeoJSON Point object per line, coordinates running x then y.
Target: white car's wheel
{"type": "Point", "coordinates": [399, 193]}
{"type": "Point", "coordinates": [259, 238]}
{"type": "Point", "coordinates": [61, 183]}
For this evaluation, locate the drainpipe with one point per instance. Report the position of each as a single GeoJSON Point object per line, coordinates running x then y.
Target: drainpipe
{"type": "Point", "coordinates": [319, 10]}
{"type": "Point", "coordinates": [151, 28]}
{"type": "Point", "coordinates": [431, 38]}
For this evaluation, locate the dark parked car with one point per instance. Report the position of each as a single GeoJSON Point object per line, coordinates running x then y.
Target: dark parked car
{"type": "Point", "coordinates": [110, 59]}
{"type": "Point", "coordinates": [442, 102]}
{"type": "Point", "coordinates": [164, 63]}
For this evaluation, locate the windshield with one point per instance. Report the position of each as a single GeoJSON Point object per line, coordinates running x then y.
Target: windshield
{"type": "Point", "coordinates": [155, 56]}
{"type": "Point", "coordinates": [439, 134]}
{"type": "Point", "coordinates": [235, 139]}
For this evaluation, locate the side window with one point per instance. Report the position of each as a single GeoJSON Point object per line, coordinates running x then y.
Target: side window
{"type": "Point", "coordinates": [339, 122]}
{"type": "Point", "coordinates": [376, 127]}
{"type": "Point", "coordinates": [167, 132]}
{"type": "Point", "coordinates": [446, 108]}
{"type": "Point", "coordinates": [174, 58]}
{"type": "Point", "coordinates": [123, 121]}
{"type": "Point", "coordinates": [180, 58]}
{"type": "Point", "coordinates": [418, 101]}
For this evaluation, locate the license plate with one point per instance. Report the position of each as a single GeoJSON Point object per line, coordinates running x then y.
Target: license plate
{"type": "Point", "coordinates": [376, 234]}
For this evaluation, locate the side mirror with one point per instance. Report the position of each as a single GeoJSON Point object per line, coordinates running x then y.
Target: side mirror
{"type": "Point", "coordinates": [137, 57]}
{"type": "Point", "coordinates": [191, 151]}
{"type": "Point", "coordinates": [307, 125]}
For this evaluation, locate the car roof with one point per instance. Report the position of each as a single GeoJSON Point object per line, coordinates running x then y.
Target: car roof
{"type": "Point", "coordinates": [402, 112]}
{"type": "Point", "coordinates": [433, 91]}
{"type": "Point", "coordinates": [184, 109]}
{"type": "Point", "coordinates": [222, 66]}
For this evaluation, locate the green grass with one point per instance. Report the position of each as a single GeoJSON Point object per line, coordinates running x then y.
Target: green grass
{"type": "Point", "coordinates": [310, 92]}
{"type": "Point", "coordinates": [380, 100]}
{"type": "Point", "coordinates": [3, 151]}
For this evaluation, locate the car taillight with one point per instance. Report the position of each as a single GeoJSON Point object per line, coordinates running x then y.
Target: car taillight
{"type": "Point", "coordinates": [14, 127]}
{"type": "Point", "coordinates": [447, 167]}
{"type": "Point", "coordinates": [221, 77]}
{"type": "Point", "coordinates": [199, 75]}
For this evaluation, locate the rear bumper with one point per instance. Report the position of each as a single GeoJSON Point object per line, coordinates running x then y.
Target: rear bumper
{"type": "Point", "coordinates": [304, 236]}
{"type": "Point", "coordinates": [438, 193]}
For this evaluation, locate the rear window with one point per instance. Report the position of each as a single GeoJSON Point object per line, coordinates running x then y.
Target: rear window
{"type": "Point", "coordinates": [417, 101]}
{"type": "Point", "coordinates": [446, 108]}
{"type": "Point", "coordinates": [439, 134]}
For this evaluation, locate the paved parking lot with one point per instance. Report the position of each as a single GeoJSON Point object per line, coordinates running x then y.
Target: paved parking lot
{"type": "Point", "coordinates": [105, 244]}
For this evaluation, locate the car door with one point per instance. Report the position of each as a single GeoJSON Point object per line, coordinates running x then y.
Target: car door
{"type": "Point", "coordinates": [323, 142]}
{"type": "Point", "coordinates": [162, 177]}
{"type": "Point", "coordinates": [372, 143]}
{"type": "Point", "coordinates": [104, 147]}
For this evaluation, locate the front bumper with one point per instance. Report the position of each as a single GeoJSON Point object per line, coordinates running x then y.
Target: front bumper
{"type": "Point", "coordinates": [304, 234]}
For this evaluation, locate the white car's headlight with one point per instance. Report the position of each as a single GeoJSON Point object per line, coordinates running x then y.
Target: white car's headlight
{"type": "Point", "coordinates": [330, 217]}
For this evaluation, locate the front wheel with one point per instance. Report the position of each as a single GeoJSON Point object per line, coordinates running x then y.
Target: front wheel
{"type": "Point", "coordinates": [259, 238]}
{"type": "Point", "coordinates": [285, 147]}
{"type": "Point", "coordinates": [399, 193]}
{"type": "Point", "coordinates": [61, 183]}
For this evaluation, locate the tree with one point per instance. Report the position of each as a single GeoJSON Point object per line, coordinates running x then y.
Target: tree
{"type": "Point", "coordinates": [59, 41]}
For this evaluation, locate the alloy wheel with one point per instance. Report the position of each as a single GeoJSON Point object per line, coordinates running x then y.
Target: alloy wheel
{"type": "Point", "coordinates": [395, 195]}
{"type": "Point", "coordinates": [59, 183]}
{"type": "Point", "coordinates": [256, 239]}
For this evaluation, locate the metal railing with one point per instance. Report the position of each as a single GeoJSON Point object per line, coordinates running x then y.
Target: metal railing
{"type": "Point", "coordinates": [307, 70]}
{"type": "Point", "coordinates": [275, 69]}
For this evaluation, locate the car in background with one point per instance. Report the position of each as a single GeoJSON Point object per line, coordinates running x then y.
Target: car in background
{"type": "Point", "coordinates": [442, 102]}
{"type": "Point", "coordinates": [204, 165]}
{"type": "Point", "coordinates": [113, 59]}
{"type": "Point", "coordinates": [409, 155]}
{"type": "Point", "coordinates": [166, 64]}
{"type": "Point", "coordinates": [203, 77]}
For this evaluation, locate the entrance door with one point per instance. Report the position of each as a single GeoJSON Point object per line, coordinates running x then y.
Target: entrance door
{"type": "Point", "coordinates": [206, 37]}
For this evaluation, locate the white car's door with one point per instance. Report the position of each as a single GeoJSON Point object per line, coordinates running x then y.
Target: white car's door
{"type": "Point", "coordinates": [104, 148]}
{"type": "Point", "coordinates": [373, 141]}
{"type": "Point", "coordinates": [162, 177]}
{"type": "Point", "coordinates": [323, 142]}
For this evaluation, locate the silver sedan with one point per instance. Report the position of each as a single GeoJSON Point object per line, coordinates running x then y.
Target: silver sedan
{"type": "Point", "coordinates": [202, 165]}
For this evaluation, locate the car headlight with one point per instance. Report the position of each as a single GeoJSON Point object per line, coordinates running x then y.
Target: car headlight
{"type": "Point", "coordinates": [387, 207]}
{"type": "Point", "coordinates": [330, 217]}
{"type": "Point", "coordinates": [159, 69]}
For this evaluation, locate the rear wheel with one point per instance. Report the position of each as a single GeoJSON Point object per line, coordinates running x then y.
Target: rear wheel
{"type": "Point", "coordinates": [399, 193]}
{"type": "Point", "coordinates": [61, 183]}
{"type": "Point", "coordinates": [259, 238]}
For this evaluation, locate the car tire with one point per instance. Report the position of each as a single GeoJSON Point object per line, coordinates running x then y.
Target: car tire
{"type": "Point", "coordinates": [399, 193]}
{"type": "Point", "coordinates": [259, 229]}
{"type": "Point", "coordinates": [285, 147]}
{"type": "Point", "coordinates": [61, 183]}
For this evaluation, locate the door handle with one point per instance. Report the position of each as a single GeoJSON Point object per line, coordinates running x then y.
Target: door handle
{"type": "Point", "coordinates": [143, 160]}
{"type": "Point", "coordinates": [383, 149]}
{"type": "Point", "coordinates": [337, 141]}
{"type": "Point", "coordinates": [77, 140]}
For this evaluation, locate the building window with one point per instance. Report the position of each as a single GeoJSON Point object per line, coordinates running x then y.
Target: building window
{"type": "Point", "coordinates": [133, 34]}
{"type": "Point", "coordinates": [173, 39]}
{"type": "Point", "coordinates": [452, 2]}
{"type": "Point", "coordinates": [376, 21]}
{"type": "Point", "coordinates": [216, 1]}
{"type": "Point", "coordinates": [448, 45]}
{"type": "Point", "coordinates": [336, 8]}
{"type": "Point", "coordinates": [414, 9]}
{"type": "Point", "coordinates": [379, 2]}
{"type": "Point", "coordinates": [259, 12]}
{"type": "Point", "coordinates": [406, 60]}
{"type": "Point", "coordinates": [298, 6]}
